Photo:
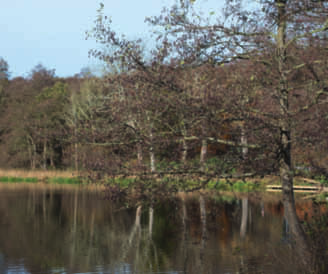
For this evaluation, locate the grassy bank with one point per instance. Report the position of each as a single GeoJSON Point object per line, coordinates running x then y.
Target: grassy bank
{"type": "Point", "coordinates": [71, 177]}
{"type": "Point", "coordinates": [54, 180]}
{"type": "Point", "coordinates": [177, 183]}
{"type": "Point", "coordinates": [34, 176]}
{"type": "Point", "coordinates": [7, 179]}
{"type": "Point", "coordinates": [39, 174]}
{"type": "Point", "coordinates": [186, 184]}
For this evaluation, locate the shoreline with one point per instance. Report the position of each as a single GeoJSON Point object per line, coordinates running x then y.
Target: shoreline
{"type": "Point", "coordinates": [181, 183]}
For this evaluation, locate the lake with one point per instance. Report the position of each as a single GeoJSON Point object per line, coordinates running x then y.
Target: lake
{"type": "Point", "coordinates": [71, 229]}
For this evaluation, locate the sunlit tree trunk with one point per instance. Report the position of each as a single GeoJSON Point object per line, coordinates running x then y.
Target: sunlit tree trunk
{"type": "Point", "coordinates": [138, 216]}
{"type": "Point", "coordinates": [45, 154]}
{"type": "Point", "coordinates": [184, 151]}
{"type": "Point", "coordinates": [76, 157]}
{"type": "Point", "coordinates": [203, 154]}
{"type": "Point", "coordinates": [52, 163]}
{"type": "Point", "coordinates": [184, 145]}
{"type": "Point", "coordinates": [244, 143]}
{"type": "Point", "coordinates": [139, 154]}
{"type": "Point", "coordinates": [76, 152]}
{"type": "Point", "coordinates": [152, 153]}
{"type": "Point", "coordinates": [32, 152]}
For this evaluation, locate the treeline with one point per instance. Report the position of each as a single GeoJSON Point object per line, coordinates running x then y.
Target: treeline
{"type": "Point", "coordinates": [211, 119]}
{"type": "Point", "coordinates": [244, 98]}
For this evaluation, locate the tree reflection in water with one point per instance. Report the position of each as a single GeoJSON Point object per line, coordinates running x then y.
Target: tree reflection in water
{"type": "Point", "coordinates": [72, 230]}
{"type": "Point", "coordinates": [301, 256]}
{"type": "Point", "coordinates": [243, 225]}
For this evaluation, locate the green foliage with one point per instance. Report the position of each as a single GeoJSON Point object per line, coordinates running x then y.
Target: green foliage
{"type": "Point", "coordinates": [121, 182]}
{"type": "Point", "coordinates": [59, 91]}
{"type": "Point", "coordinates": [322, 179]}
{"type": "Point", "coordinates": [239, 186]}
{"type": "Point", "coordinates": [218, 185]}
{"type": "Point", "coordinates": [166, 165]}
{"type": "Point", "coordinates": [182, 184]}
{"type": "Point", "coordinates": [322, 197]}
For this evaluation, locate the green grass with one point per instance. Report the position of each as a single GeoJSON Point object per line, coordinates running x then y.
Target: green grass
{"type": "Point", "coordinates": [6, 179]}
{"type": "Point", "coordinates": [54, 180]}
{"type": "Point", "coordinates": [63, 180]}
{"type": "Point", "coordinates": [31, 180]}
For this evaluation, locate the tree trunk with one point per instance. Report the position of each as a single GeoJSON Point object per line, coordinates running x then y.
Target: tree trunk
{"type": "Point", "coordinates": [139, 154]}
{"type": "Point", "coordinates": [203, 155]}
{"type": "Point", "coordinates": [138, 216]}
{"type": "Point", "coordinates": [286, 174]}
{"type": "Point", "coordinates": [184, 145]}
{"type": "Point", "coordinates": [45, 154]}
{"type": "Point", "coordinates": [152, 160]}
{"type": "Point", "coordinates": [52, 163]}
{"type": "Point", "coordinates": [243, 141]}
{"type": "Point", "coordinates": [203, 150]}
{"type": "Point", "coordinates": [184, 151]}
{"type": "Point", "coordinates": [34, 156]}
{"type": "Point", "coordinates": [152, 154]}
{"type": "Point", "coordinates": [76, 150]}
{"type": "Point", "coordinates": [76, 157]}
{"type": "Point", "coordinates": [31, 152]}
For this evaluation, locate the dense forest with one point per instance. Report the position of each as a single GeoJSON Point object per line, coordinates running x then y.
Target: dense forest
{"type": "Point", "coordinates": [245, 94]}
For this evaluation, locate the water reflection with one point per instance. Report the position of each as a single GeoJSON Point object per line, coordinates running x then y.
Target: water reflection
{"type": "Point", "coordinates": [244, 214]}
{"type": "Point", "coordinates": [47, 229]}
{"type": "Point", "coordinates": [296, 237]}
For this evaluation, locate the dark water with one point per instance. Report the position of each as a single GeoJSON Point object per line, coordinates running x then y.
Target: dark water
{"type": "Point", "coordinates": [49, 229]}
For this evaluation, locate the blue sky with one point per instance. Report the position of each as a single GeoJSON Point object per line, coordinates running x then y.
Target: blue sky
{"type": "Point", "coordinates": [52, 32]}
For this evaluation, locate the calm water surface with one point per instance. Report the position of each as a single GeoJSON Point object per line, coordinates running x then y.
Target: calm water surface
{"type": "Point", "coordinates": [57, 229]}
